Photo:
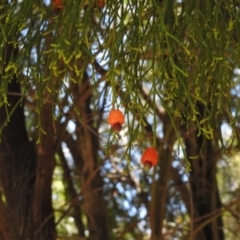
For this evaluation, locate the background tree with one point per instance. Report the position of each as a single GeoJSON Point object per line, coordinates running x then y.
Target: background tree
{"type": "Point", "coordinates": [172, 68]}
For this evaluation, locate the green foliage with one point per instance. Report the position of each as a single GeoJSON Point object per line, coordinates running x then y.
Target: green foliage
{"type": "Point", "coordinates": [187, 51]}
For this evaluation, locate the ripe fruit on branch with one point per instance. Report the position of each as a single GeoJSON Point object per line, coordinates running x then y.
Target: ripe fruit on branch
{"type": "Point", "coordinates": [149, 158]}
{"type": "Point", "coordinates": [58, 4]}
{"type": "Point", "coordinates": [100, 4]}
{"type": "Point", "coordinates": [116, 119]}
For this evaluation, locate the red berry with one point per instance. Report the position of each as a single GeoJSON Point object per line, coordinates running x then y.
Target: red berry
{"type": "Point", "coordinates": [101, 4]}
{"type": "Point", "coordinates": [149, 158]}
{"type": "Point", "coordinates": [116, 119]}
{"type": "Point", "coordinates": [58, 4]}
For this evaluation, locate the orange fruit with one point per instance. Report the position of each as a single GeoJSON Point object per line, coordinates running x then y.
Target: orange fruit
{"type": "Point", "coordinates": [101, 4]}
{"type": "Point", "coordinates": [149, 158]}
{"type": "Point", "coordinates": [58, 4]}
{"type": "Point", "coordinates": [116, 119]}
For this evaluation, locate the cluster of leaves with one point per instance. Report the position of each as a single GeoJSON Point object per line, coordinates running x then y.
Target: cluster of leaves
{"type": "Point", "coordinates": [182, 50]}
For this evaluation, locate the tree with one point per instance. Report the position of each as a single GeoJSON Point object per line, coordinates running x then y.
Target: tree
{"type": "Point", "coordinates": [171, 67]}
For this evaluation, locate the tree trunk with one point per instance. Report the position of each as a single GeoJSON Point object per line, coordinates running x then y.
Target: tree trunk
{"type": "Point", "coordinates": [205, 194]}
{"type": "Point", "coordinates": [160, 188]}
{"type": "Point", "coordinates": [88, 168]}
{"type": "Point", "coordinates": [27, 212]}
{"type": "Point", "coordinates": [43, 210]}
{"type": "Point", "coordinates": [18, 161]}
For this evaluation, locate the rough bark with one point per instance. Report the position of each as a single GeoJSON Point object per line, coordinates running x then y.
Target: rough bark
{"type": "Point", "coordinates": [205, 194]}
{"type": "Point", "coordinates": [43, 210]}
{"type": "Point", "coordinates": [25, 175]}
{"type": "Point", "coordinates": [17, 160]}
